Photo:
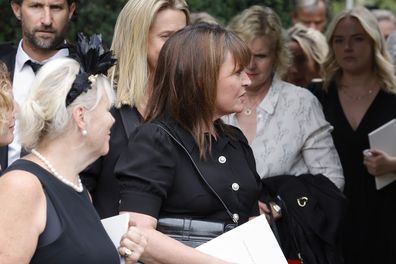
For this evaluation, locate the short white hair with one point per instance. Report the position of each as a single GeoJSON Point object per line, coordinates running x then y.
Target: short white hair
{"type": "Point", "coordinates": [44, 114]}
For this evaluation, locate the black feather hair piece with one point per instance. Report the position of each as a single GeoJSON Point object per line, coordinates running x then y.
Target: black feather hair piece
{"type": "Point", "coordinates": [94, 60]}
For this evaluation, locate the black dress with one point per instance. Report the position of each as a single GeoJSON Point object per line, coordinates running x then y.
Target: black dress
{"type": "Point", "coordinates": [73, 232]}
{"type": "Point", "coordinates": [158, 179]}
{"type": "Point", "coordinates": [370, 232]}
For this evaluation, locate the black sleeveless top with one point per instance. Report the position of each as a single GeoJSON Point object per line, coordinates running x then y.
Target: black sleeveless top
{"type": "Point", "coordinates": [73, 232]}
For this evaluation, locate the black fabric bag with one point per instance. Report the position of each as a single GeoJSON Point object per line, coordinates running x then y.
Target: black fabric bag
{"type": "Point", "coordinates": [313, 210]}
{"type": "Point", "coordinates": [193, 232]}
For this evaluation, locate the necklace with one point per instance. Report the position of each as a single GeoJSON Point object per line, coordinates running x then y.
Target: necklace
{"type": "Point", "coordinates": [352, 97]}
{"type": "Point", "coordinates": [248, 110]}
{"type": "Point", "coordinates": [78, 187]}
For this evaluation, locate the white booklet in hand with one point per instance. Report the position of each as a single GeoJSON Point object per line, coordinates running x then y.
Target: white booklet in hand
{"type": "Point", "coordinates": [250, 243]}
{"type": "Point", "coordinates": [116, 227]}
{"type": "Point", "coordinates": [384, 139]}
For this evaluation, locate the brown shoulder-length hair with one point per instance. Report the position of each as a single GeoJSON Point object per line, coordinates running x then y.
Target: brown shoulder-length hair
{"type": "Point", "coordinates": [185, 82]}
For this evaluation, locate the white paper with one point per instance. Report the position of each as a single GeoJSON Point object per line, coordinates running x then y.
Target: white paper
{"type": "Point", "coordinates": [384, 139]}
{"type": "Point", "coordinates": [116, 227]}
{"type": "Point", "coordinates": [250, 243]}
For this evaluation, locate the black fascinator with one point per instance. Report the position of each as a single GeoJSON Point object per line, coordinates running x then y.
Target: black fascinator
{"type": "Point", "coordinates": [94, 60]}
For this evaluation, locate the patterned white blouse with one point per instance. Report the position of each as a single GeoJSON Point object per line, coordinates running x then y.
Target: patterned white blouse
{"type": "Point", "coordinates": [292, 135]}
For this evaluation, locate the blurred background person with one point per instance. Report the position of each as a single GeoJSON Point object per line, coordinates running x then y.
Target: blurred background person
{"type": "Point", "coordinates": [309, 49]}
{"type": "Point", "coordinates": [47, 214]}
{"type": "Point", "coordinates": [7, 110]}
{"type": "Point", "coordinates": [386, 21]}
{"type": "Point", "coordinates": [199, 78]}
{"type": "Point", "coordinates": [199, 17]}
{"type": "Point", "coordinates": [358, 96]}
{"type": "Point", "coordinates": [283, 123]}
{"type": "Point", "coordinates": [142, 27]}
{"type": "Point", "coordinates": [391, 45]}
{"type": "Point", "coordinates": [311, 13]}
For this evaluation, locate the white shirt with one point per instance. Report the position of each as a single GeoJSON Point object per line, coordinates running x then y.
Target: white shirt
{"type": "Point", "coordinates": [22, 81]}
{"type": "Point", "coordinates": [292, 135]}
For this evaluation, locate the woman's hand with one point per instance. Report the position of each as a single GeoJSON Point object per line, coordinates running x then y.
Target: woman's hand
{"type": "Point", "coordinates": [132, 244]}
{"type": "Point", "coordinates": [275, 210]}
{"type": "Point", "coordinates": [378, 162]}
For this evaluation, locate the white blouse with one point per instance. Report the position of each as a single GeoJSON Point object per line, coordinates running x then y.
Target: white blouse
{"type": "Point", "coordinates": [292, 135]}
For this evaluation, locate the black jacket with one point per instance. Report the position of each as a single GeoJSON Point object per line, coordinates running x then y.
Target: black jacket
{"type": "Point", "coordinates": [313, 210]}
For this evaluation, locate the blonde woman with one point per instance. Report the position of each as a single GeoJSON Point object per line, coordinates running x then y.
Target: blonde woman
{"type": "Point", "coordinates": [141, 29]}
{"type": "Point", "coordinates": [358, 96]}
{"type": "Point", "coordinates": [282, 122]}
{"type": "Point", "coordinates": [309, 50]}
{"type": "Point", "coordinates": [7, 114]}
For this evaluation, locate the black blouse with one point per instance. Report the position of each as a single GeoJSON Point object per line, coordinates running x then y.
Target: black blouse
{"type": "Point", "coordinates": [158, 179]}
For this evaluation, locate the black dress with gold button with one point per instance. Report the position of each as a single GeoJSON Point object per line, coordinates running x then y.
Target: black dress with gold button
{"type": "Point", "coordinates": [157, 178]}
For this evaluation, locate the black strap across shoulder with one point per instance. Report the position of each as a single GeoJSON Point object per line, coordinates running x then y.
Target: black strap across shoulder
{"type": "Point", "coordinates": [199, 172]}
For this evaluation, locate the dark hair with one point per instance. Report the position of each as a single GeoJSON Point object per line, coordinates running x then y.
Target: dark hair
{"type": "Point", "coordinates": [185, 82]}
{"type": "Point", "coordinates": [19, 2]}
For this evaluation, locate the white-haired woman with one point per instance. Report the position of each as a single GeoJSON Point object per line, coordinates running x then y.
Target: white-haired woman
{"type": "Point", "coordinates": [358, 96]}
{"type": "Point", "coordinates": [46, 215]}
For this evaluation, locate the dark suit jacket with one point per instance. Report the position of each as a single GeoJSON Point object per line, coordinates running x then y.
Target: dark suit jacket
{"type": "Point", "coordinates": [7, 55]}
{"type": "Point", "coordinates": [99, 177]}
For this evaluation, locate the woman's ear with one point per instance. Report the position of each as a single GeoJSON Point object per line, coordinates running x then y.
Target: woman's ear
{"type": "Point", "coordinates": [80, 119]}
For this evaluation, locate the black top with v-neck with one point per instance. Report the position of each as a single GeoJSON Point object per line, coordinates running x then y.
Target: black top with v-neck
{"type": "Point", "coordinates": [370, 231]}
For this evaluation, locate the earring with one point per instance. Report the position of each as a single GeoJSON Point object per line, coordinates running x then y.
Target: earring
{"type": "Point", "coordinates": [84, 132]}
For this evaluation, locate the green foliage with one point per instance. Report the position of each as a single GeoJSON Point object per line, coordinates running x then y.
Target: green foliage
{"type": "Point", "coordinates": [99, 16]}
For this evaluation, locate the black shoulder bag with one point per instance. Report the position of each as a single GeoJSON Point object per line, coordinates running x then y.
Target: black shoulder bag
{"type": "Point", "coordinates": [189, 231]}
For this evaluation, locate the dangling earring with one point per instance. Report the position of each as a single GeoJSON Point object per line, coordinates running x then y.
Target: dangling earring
{"type": "Point", "coordinates": [84, 132]}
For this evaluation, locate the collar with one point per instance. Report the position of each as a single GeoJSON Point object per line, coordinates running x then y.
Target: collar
{"type": "Point", "coordinates": [271, 99]}
{"type": "Point", "coordinates": [22, 57]}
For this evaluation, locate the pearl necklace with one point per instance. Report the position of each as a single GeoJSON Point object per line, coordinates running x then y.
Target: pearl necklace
{"type": "Point", "coordinates": [78, 187]}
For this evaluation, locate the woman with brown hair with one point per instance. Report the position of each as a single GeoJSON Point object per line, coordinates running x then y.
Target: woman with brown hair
{"type": "Point", "coordinates": [199, 78]}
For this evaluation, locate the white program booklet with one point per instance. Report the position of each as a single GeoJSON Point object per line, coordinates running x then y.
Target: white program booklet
{"type": "Point", "coordinates": [250, 243]}
{"type": "Point", "coordinates": [116, 227]}
{"type": "Point", "coordinates": [384, 139]}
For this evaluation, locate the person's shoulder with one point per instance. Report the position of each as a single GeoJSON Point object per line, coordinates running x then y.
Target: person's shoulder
{"type": "Point", "coordinates": [294, 91]}
{"type": "Point", "coordinates": [20, 181]}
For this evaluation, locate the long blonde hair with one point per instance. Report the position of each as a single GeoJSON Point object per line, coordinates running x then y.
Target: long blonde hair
{"type": "Point", "coordinates": [129, 45]}
{"type": "Point", "coordinates": [382, 62]}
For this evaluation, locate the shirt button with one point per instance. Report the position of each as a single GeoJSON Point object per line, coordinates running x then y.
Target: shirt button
{"type": "Point", "coordinates": [235, 186]}
{"type": "Point", "coordinates": [222, 159]}
{"type": "Point", "coordinates": [235, 218]}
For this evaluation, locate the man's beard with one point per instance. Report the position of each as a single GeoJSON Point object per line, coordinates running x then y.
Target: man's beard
{"type": "Point", "coordinates": [45, 44]}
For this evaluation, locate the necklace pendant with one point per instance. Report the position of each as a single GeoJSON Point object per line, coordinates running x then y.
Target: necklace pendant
{"type": "Point", "coordinates": [247, 111]}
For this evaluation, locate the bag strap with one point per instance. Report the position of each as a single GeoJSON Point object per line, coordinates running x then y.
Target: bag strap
{"type": "Point", "coordinates": [233, 218]}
